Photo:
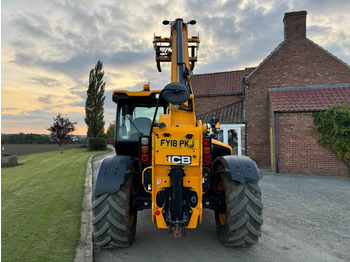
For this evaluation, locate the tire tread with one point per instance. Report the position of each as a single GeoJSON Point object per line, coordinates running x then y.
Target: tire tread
{"type": "Point", "coordinates": [111, 219]}
{"type": "Point", "coordinates": [243, 213]}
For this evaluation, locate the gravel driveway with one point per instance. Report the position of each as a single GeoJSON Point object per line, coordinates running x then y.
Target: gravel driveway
{"type": "Point", "coordinates": [306, 218]}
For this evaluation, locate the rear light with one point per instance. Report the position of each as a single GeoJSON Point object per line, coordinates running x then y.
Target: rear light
{"type": "Point", "coordinates": [144, 149]}
{"type": "Point", "coordinates": [207, 159]}
{"type": "Point", "coordinates": [206, 150]}
{"type": "Point", "coordinates": [144, 158]}
{"type": "Point", "coordinates": [206, 142]}
{"type": "Point", "coordinates": [144, 141]}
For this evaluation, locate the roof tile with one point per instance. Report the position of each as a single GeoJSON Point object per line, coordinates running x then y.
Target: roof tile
{"type": "Point", "coordinates": [228, 114]}
{"type": "Point", "coordinates": [219, 83]}
{"type": "Point", "coordinates": [310, 98]}
{"type": "Point", "coordinates": [204, 105]}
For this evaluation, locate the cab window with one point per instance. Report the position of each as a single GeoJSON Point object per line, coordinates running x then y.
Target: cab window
{"type": "Point", "coordinates": [133, 122]}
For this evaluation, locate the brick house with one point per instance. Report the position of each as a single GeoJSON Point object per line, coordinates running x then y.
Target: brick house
{"type": "Point", "coordinates": [296, 62]}
{"type": "Point", "coordinates": [295, 145]}
{"type": "Point", "coordinates": [221, 95]}
{"type": "Point", "coordinates": [279, 128]}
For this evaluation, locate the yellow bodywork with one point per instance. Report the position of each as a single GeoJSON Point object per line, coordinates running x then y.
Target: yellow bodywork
{"type": "Point", "coordinates": [178, 139]}
{"type": "Point", "coordinates": [171, 142]}
{"type": "Point", "coordinates": [177, 145]}
{"type": "Point", "coordinates": [136, 93]}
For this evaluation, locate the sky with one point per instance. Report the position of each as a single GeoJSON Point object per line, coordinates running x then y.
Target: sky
{"type": "Point", "coordinates": [48, 47]}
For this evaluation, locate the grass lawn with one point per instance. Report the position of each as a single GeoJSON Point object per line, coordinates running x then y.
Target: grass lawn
{"type": "Point", "coordinates": [41, 203]}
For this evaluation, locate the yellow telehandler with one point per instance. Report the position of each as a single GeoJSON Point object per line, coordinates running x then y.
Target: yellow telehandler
{"type": "Point", "coordinates": [168, 162]}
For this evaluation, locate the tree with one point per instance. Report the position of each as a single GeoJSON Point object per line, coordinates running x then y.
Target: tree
{"type": "Point", "coordinates": [61, 129]}
{"type": "Point", "coordinates": [95, 102]}
{"type": "Point", "coordinates": [334, 126]}
{"type": "Point", "coordinates": [110, 133]}
{"type": "Point", "coordinates": [110, 130]}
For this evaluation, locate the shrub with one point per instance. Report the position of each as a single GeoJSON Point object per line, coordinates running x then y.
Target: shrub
{"type": "Point", "coordinates": [334, 126]}
{"type": "Point", "coordinates": [97, 143]}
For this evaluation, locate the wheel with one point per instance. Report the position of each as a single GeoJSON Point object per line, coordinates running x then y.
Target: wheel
{"type": "Point", "coordinates": [113, 221]}
{"type": "Point", "coordinates": [240, 223]}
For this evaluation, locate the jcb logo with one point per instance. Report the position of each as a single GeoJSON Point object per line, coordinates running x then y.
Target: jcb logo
{"type": "Point", "coordinates": [184, 160]}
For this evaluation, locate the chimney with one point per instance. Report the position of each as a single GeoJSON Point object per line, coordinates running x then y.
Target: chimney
{"type": "Point", "coordinates": [294, 25]}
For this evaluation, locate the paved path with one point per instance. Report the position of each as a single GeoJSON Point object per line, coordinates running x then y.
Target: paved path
{"type": "Point", "coordinates": [84, 250]}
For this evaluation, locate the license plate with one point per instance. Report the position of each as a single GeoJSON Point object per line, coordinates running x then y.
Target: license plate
{"type": "Point", "coordinates": [177, 143]}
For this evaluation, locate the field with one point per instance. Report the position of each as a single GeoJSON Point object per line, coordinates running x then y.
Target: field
{"type": "Point", "coordinates": [41, 203]}
{"type": "Point", "coordinates": [25, 149]}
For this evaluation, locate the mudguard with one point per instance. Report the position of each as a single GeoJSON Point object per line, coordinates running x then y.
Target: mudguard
{"type": "Point", "coordinates": [113, 172]}
{"type": "Point", "coordinates": [239, 168]}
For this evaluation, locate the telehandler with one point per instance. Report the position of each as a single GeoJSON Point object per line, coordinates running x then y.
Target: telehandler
{"type": "Point", "coordinates": [168, 162]}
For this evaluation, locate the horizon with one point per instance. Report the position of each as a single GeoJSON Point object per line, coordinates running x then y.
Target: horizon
{"type": "Point", "coordinates": [37, 134]}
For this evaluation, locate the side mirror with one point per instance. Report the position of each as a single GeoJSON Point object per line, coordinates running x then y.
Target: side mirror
{"type": "Point", "coordinates": [176, 93]}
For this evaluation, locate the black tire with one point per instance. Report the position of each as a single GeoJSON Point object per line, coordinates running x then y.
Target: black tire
{"type": "Point", "coordinates": [239, 225]}
{"type": "Point", "coordinates": [113, 220]}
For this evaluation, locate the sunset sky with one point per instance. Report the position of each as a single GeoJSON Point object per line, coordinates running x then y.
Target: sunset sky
{"type": "Point", "coordinates": [48, 47]}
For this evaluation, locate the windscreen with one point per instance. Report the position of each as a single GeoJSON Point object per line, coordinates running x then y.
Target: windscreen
{"type": "Point", "coordinates": [135, 121]}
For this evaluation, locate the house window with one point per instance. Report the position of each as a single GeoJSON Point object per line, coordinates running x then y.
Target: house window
{"type": "Point", "coordinates": [232, 135]}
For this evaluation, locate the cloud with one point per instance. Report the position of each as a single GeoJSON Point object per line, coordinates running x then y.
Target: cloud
{"type": "Point", "coordinates": [51, 46]}
{"type": "Point", "coordinates": [36, 25]}
{"type": "Point", "coordinates": [46, 81]}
